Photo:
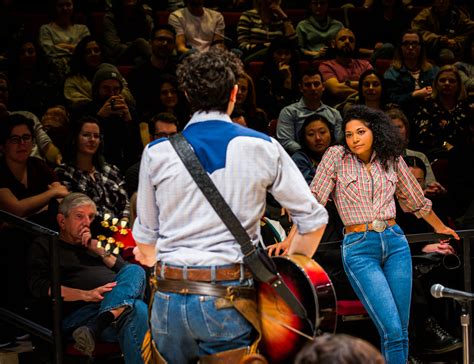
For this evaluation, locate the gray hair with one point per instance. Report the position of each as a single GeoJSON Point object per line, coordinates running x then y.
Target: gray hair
{"type": "Point", "coordinates": [74, 200]}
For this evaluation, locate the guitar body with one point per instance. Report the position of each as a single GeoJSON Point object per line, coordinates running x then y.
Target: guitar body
{"type": "Point", "coordinates": [281, 339]}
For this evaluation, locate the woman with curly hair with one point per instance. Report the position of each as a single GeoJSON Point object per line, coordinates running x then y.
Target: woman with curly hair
{"type": "Point", "coordinates": [362, 176]}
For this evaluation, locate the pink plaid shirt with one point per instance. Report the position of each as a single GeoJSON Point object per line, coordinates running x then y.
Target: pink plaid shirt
{"type": "Point", "coordinates": [362, 197]}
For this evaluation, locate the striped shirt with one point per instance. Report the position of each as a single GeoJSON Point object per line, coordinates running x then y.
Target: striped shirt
{"type": "Point", "coordinates": [251, 30]}
{"type": "Point", "coordinates": [362, 197]}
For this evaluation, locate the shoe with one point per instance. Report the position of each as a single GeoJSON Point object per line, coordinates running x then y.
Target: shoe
{"type": "Point", "coordinates": [436, 340]}
{"type": "Point", "coordinates": [84, 337]}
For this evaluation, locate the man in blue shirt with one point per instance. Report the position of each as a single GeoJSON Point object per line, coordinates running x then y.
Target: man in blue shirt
{"type": "Point", "coordinates": [177, 227]}
{"type": "Point", "coordinates": [292, 117]}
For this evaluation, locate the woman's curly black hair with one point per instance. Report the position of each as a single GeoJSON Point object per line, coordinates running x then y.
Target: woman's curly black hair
{"type": "Point", "coordinates": [208, 78]}
{"type": "Point", "coordinates": [387, 143]}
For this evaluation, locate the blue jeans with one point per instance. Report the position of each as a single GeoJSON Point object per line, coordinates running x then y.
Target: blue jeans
{"type": "Point", "coordinates": [186, 327]}
{"type": "Point", "coordinates": [130, 328]}
{"type": "Point", "coordinates": [378, 266]}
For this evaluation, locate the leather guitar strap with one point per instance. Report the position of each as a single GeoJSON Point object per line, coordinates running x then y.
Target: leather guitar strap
{"type": "Point", "coordinates": [261, 270]}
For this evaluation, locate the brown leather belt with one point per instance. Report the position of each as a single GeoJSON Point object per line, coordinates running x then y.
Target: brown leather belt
{"type": "Point", "coordinates": [376, 225]}
{"type": "Point", "coordinates": [205, 289]}
{"type": "Point", "coordinates": [228, 273]}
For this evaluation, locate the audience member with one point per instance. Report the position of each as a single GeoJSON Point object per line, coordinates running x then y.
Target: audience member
{"type": "Point", "coordinates": [341, 75]}
{"type": "Point", "coordinates": [60, 37]}
{"type": "Point", "coordinates": [292, 117]}
{"type": "Point", "coordinates": [246, 105]}
{"type": "Point", "coordinates": [316, 32]}
{"type": "Point", "coordinates": [162, 125]}
{"type": "Point", "coordinates": [27, 184]}
{"type": "Point", "coordinates": [27, 187]}
{"type": "Point", "coordinates": [33, 87]}
{"type": "Point", "coordinates": [120, 130]}
{"type": "Point", "coordinates": [87, 57]}
{"type": "Point", "coordinates": [444, 28]}
{"type": "Point", "coordinates": [410, 77]}
{"type": "Point", "coordinates": [43, 145]}
{"type": "Point", "coordinates": [278, 87]}
{"type": "Point", "coordinates": [316, 136]}
{"type": "Point", "coordinates": [144, 78]}
{"type": "Point", "coordinates": [461, 177]}
{"type": "Point", "coordinates": [339, 349]}
{"type": "Point", "coordinates": [372, 92]}
{"type": "Point", "coordinates": [170, 99]}
{"type": "Point", "coordinates": [55, 123]}
{"type": "Point", "coordinates": [258, 27]}
{"type": "Point", "coordinates": [442, 119]}
{"type": "Point", "coordinates": [401, 123]}
{"type": "Point", "coordinates": [127, 28]}
{"type": "Point", "coordinates": [102, 295]}
{"type": "Point", "coordinates": [197, 27]}
{"type": "Point", "coordinates": [86, 171]}
{"type": "Point", "coordinates": [466, 66]}
{"type": "Point", "coordinates": [388, 19]}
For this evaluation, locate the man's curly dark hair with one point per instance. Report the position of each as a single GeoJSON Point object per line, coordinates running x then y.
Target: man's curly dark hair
{"type": "Point", "coordinates": [387, 143]}
{"type": "Point", "coordinates": [208, 78]}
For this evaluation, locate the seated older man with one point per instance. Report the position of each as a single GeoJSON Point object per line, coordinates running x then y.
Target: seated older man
{"type": "Point", "coordinates": [102, 295]}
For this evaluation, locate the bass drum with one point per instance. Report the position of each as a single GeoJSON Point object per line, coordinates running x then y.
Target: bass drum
{"type": "Point", "coordinates": [283, 332]}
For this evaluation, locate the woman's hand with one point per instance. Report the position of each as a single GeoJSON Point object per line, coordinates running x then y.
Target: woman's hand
{"type": "Point", "coordinates": [58, 190]}
{"type": "Point", "coordinates": [279, 248]}
{"type": "Point", "coordinates": [446, 231]}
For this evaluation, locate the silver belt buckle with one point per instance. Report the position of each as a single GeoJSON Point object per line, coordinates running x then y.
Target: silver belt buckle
{"type": "Point", "coordinates": [379, 225]}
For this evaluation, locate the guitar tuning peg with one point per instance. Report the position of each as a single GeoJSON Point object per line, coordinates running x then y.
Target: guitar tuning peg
{"type": "Point", "coordinates": [99, 244]}
{"type": "Point", "coordinates": [116, 250]}
{"type": "Point", "coordinates": [107, 247]}
{"type": "Point", "coordinates": [123, 223]}
{"type": "Point", "coordinates": [106, 216]}
{"type": "Point", "coordinates": [115, 221]}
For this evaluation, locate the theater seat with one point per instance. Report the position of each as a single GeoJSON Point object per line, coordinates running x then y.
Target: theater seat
{"type": "Point", "coordinates": [351, 310]}
{"type": "Point", "coordinates": [104, 352]}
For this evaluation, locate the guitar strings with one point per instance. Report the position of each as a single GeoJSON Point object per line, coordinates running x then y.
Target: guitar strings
{"type": "Point", "coordinates": [287, 326]}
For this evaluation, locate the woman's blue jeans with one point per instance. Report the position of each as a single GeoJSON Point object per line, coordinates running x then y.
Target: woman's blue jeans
{"type": "Point", "coordinates": [186, 327]}
{"type": "Point", "coordinates": [130, 328]}
{"type": "Point", "coordinates": [378, 266]}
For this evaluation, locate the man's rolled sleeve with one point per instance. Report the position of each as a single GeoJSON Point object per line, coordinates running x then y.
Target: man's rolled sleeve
{"type": "Point", "coordinates": [292, 192]}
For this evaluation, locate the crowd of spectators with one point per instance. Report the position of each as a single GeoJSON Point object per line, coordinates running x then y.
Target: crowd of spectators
{"type": "Point", "coordinates": [78, 94]}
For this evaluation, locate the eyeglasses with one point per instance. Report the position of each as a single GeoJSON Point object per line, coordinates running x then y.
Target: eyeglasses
{"type": "Point", "coordinates": [17, 139]}
{"type": "Point", "coordinates": [164, 135]}
{"type": "Point", "coordinates": [410, 44]}
{"type": "Point", "coordinates": [90, 136]}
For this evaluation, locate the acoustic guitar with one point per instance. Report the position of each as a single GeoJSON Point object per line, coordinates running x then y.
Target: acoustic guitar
{"type": "Point", "coordinates": [283, 332]}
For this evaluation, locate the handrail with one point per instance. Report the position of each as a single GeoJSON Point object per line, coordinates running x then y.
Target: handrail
{"type": "Point", "coordinates": [52, 336]}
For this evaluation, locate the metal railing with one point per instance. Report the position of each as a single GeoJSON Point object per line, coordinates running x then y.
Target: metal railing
{"type": "Point", "coordinates": [51, 336]}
